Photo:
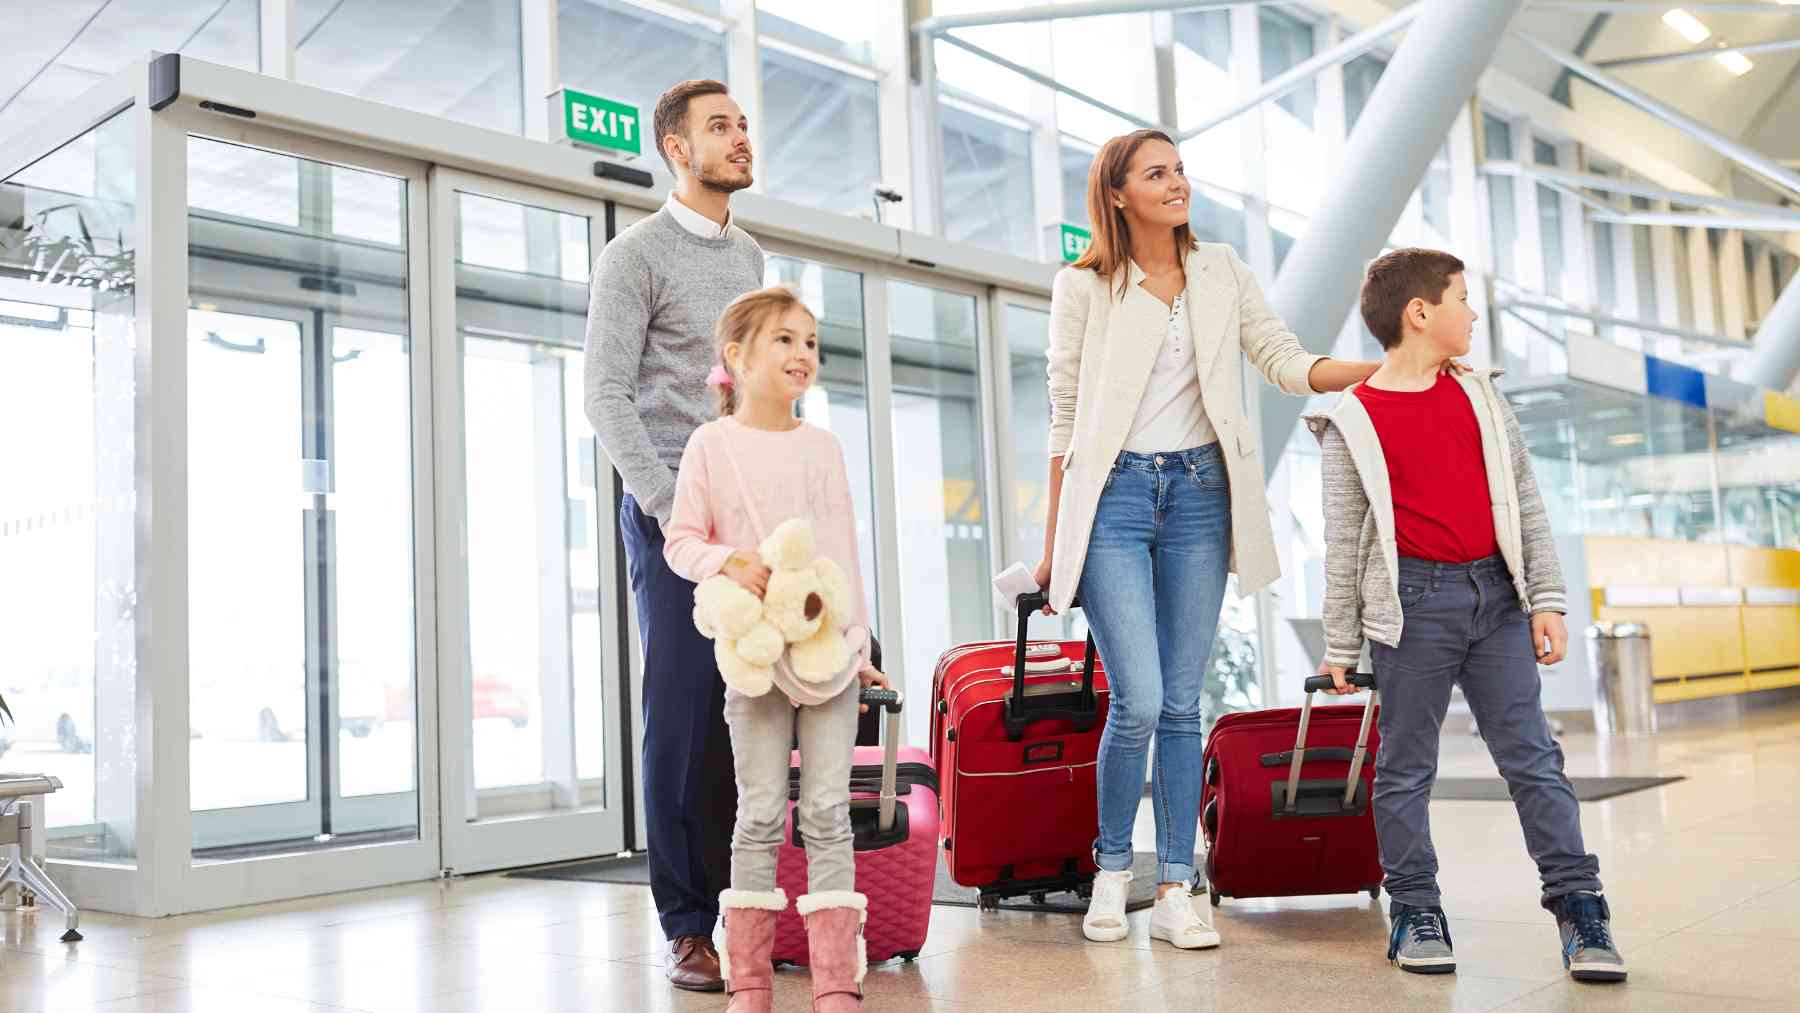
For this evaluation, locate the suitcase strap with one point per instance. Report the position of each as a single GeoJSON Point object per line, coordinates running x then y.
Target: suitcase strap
{"type": "Point", "coordinates": [1319, 682]}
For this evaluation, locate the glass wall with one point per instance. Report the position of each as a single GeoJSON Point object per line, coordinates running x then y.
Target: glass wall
{"type": "Point", "coordinates": [987, 181]}
{"type": "Point", "coordinates": [938, 476]}
{"type": "Point", "coordinates": [840, 400]}
{"type": "Point", "coordinates": [1291, 162]}
{"type": "Point", "coordinates": [821, 142]}
{"type": "Point", "coordinates": [1360, 77]}
{"type": "Point", "coordinates": [303, 699]}
{"type": "Point", "coordinates": [1550, 221]}
{"type": "Point", "coordinates": [1204, 86]}
{"type": "Point", "coordinates": [458, 59]}
{"type": "Point", "coordinates": [1503, 220]}
{"type": "Point", "coordinates": [67, 508]}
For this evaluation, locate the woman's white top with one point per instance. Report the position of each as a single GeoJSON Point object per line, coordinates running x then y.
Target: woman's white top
{"type": "Point", "coordinates": [1171, 415]}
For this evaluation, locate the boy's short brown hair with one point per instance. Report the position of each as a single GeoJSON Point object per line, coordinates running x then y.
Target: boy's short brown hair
{"type": "Point", "coordinates": [672, 110]}
{"type": "Point", "coordinates": [1397, 278]}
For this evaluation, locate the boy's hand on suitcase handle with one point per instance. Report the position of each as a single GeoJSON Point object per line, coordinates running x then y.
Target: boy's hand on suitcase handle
{"type": "Point", "coordinates": [1549, 625]}
{"type": "Point", "coordinates": [875, 689]}
{"type": "Point", "coordinates": [1343, 681]}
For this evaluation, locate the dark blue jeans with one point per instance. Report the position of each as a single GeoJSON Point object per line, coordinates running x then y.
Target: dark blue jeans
{"type": "Point", "coordinates": [690, 788]}
{"type": "Point", "coordinates": [1464, 627]}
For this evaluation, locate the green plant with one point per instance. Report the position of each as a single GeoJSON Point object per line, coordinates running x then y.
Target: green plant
{"type": "Point", "coordinates": [53, 255]}
{"type": "Point", "coordinates": [1231, 681]}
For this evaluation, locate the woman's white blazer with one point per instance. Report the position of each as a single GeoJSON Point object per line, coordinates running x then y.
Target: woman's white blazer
{"type": "Point", "coordinates": [1102, 348]}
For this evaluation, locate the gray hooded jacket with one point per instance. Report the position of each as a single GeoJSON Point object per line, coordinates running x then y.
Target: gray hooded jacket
{"type": "Point", "coordinates": [1362, 589]}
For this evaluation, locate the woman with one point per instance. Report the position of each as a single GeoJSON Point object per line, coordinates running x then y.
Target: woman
{"type": "Point", "coordinates": [1156, 486]}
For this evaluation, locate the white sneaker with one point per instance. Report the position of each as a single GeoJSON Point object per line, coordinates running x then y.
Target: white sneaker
{"type": "Point", "coordinates": [1105, 918]}
{"type": "Point", "coordinates": [1180, 920]}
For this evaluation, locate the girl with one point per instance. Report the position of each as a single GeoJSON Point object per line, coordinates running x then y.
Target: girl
{"type": "Point", "coordinates": [1156, 486]}
{"type": "Point", "coordinates": [742, 475]}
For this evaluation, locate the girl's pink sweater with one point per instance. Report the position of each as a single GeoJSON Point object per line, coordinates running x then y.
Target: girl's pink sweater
{"type": "Point", "coordinates": [736, 484]}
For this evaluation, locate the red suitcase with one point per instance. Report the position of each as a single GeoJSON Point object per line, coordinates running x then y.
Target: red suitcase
{"type": "Point", "coordinates": [1015, 734]}
{"type": "Point", "coordinates": [1285, 809]}
{"type": "Point", "coordinates": [894, 818]}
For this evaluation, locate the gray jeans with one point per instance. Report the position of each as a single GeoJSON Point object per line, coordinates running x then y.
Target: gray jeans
{"type": "Point", "coordinates": [762, 737]}
{"type": "Point", "coordinates": [1464, 627]}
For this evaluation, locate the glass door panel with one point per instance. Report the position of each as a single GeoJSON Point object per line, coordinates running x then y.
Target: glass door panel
{"type": "Point", "coordinates": [303, 694]}
{"type": "Point", "coordinates": [839, 401]}
{"type": "Point", "coordinates": [938, 476]}
{"type": "Point", "coordinates": [528, 725]}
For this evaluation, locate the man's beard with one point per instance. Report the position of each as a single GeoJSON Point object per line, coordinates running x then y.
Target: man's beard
{"type": "Point", "coordinates": [717, 182]}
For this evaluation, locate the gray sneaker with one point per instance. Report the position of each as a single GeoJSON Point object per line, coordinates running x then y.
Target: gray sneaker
{"type": "Point", "coordinates": [1588, 950]}
{"type": "Point", "coordinates": [1420, 940]}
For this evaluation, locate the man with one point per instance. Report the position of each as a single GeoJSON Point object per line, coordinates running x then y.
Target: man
{"type": "Point", "coordinates": [658, 290]}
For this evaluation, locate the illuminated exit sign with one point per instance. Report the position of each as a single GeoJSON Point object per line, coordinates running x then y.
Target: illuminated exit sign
{"type": "Point", "coordinates": [597, 122]}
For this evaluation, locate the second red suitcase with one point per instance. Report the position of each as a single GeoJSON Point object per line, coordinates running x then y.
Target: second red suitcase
{"type": "Point", "coordinates": [1285, 809]}
{"type": "Point", "coordinates": [894, 823]}
{"type": "Point", "coordinates": [1015, 734]}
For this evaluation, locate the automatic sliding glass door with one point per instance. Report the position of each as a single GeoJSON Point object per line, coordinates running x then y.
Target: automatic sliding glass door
{"type": "Point", "coordinates": [529, 636]}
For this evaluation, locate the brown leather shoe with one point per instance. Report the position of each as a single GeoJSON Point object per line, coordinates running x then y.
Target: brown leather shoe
{"type": "Point", "coordinates": [693, 964]}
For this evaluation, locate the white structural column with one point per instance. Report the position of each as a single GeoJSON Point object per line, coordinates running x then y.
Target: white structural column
{"type": "Point", "coordinates": [1762, 280]}
{"type": "Point", "coordinates": [1469, 225]}
{"type": "Point", "coordinates": [277, 32]}
{"type": "Point", "coordinates": [1046, 144]}
{"type": "Point", "coordinates": [927, 142]}
{"type": "Point", "coordinates": [1734, 287]}
{"type": "Point", "coordinates": [743, 73]}
{"type": "Point", "coordinates": [1431, 76]}
{"type": "Point", "coordinates": [1700, 274]}
{"type": "Point", "coordinates": [1775, 358]}
{"type": "Point", "coordinates": [537, 47]}
{"type": "Point", "coordinates": [893, 111]}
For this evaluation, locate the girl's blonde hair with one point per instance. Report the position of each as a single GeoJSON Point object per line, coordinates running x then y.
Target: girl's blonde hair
{"type": "Point", "coordinates": [741, 322]}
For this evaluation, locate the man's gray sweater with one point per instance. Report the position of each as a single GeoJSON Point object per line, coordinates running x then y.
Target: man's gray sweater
{"type": "Point", "coordinates": [656, 296]}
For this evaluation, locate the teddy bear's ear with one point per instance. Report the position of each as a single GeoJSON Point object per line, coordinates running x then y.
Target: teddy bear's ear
{"type": "Point", "coordinates": [834, 587]}
{"type": "Point", "coordinates": [789, 546]}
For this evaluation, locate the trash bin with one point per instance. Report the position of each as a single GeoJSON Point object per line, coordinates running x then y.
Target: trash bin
{"type": "Point", "coordinates": [1619, 654]}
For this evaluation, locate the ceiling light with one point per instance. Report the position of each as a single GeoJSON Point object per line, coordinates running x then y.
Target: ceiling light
{"type": "Point", "coordinates": [1625, 439]}
{"type": "Point", "coordinates": [1736, 62]}
{"type": "Point", "coordinates": [1689, 26]}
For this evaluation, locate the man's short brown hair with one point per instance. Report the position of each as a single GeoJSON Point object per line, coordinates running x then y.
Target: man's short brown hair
{"type": "Point", "coordinates": [672, 111]}
{"type": "Point", "coordinates": [1396, 279]}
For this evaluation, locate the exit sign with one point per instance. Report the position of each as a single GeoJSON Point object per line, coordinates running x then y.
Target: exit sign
{"type": "Point", "coordinates": [1074, 241]}
{"type": "Point", "coordinates": [597, 122]}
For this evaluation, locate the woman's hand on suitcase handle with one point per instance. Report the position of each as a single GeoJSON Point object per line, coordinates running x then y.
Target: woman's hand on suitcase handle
{"type": "Point", "coordinates": [1339, 687]}
{"type": "Point", "coordinates": [1042, 576]}
{"type": "Point", "coordinates": [871, 678]}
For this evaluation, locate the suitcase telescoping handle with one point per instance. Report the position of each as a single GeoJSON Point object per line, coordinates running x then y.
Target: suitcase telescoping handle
{"type": "Point", "coordinates": [890, 758]}
{"type": "Point", "coordinates": [1080, 706]}
{"type": "Point", "coordinates": [1322, 682]}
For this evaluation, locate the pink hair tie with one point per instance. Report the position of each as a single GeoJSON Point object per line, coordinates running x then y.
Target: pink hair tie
{"type": "Point", "coordinates": [718, 377]}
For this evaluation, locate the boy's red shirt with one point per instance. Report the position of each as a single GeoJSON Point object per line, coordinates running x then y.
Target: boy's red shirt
{"type": "Point", "coordinates": [1436, 469]}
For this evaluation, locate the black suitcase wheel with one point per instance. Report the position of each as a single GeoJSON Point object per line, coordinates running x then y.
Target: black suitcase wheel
{"type": "Point", "coordinates": [1375, 892]}
{"type": "Point", "coordinates": [1209, 819]}
{"type": "Point", "coordinates": [908, 956]}
{"type": "Point", "coordinates": [1213, 896]}
{"type": "Point", "coordinates": [986, 903]}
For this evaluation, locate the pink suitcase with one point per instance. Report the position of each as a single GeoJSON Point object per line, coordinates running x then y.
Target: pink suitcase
{"type": "Point", "coordinates": [894, 817]}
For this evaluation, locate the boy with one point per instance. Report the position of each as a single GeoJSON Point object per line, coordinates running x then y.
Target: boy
{"type": "Point", "coordinates": [1438, 552]}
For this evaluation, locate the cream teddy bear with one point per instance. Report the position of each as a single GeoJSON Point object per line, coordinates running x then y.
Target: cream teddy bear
{"type": "Point", "coordinates": [804, 612]}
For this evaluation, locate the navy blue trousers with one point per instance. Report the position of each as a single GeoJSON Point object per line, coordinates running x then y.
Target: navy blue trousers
{"type": "Point", "coordinates": [689, 785]}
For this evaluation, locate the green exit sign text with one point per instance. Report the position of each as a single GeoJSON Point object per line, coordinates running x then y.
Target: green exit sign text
{"type": "Point", "coordinates": [597, 122]}
{"type": "Point", "coordinates": [1074, 241]}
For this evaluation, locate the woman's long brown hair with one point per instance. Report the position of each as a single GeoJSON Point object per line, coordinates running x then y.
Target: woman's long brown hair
{"type": "Point", "coordinates": [1110, 251]}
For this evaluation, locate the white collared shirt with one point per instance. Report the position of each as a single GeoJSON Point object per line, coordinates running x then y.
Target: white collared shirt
{"type": "Point", "coordinates": [1170, 416]}
{"type": "Point", "coordinates": [695, 222]}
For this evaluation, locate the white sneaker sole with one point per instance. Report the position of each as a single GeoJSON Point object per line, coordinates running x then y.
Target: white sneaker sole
{"type": "Point", "coordinates": [1584, 971]}
{"type": "Point", "coordinates": [1201, 941]}
{"type": "Point", "coordinates": [1106, 933]}
{"type": "Point", "coordinates": [1426, 965]}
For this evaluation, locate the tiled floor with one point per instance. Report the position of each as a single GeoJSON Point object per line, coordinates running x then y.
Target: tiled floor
{"type": "Point", "coordinates": [1704, 878]}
